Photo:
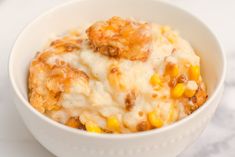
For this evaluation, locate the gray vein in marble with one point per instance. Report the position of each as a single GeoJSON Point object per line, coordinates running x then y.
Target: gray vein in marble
{"type": "Point", "coordinates": [224, 118]}
{"type": "Point", "coordinates": [216, 147]}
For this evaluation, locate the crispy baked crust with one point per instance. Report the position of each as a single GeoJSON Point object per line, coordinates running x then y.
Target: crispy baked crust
{"type": "Point", "coordinates": [47, 82]}
{"type": "Point", "coordinates": [120, 38]}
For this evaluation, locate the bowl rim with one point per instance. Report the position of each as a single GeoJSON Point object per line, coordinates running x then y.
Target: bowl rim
{"type": "Point", "coordinates": [17, 92]}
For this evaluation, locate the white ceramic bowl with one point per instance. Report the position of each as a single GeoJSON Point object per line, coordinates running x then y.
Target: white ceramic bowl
{"type": "Point", "coordinates": [165, 142]}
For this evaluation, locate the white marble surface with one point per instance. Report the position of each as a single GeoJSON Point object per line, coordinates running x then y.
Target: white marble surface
{"type": "Point", "coordinates": [218, 140]}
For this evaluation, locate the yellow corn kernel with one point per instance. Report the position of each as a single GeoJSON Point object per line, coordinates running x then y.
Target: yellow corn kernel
{"type": "Point", "coordinates": [113, 124]}
{"type": "Point", "coordinates": [172, 69]}
{"type": "Point", "coordinates": [178, 90]}
{"type": "Point", "coordinates": [171, 38]}
{"type": "Point", "coordinates": [154, 120]}
{"type": "Point", "coordinates": [194, 72]}
{"type": "Point", "coordinates": [155, 80]}
{"type": "Point", "coordinates": [190, 89]}
{"type": "Point", "coordinates": [160, 38]}
{"type": "Point", "coordinates": [173, 115]}
{"type": "Point", "coordinates": [165, 29]}
{"type": "Point", "coordinates": [189, 92]}
{"type": "Point", "coordinates": [72, 122]}
{"type": "Point", "coordinates": [91, 127]}
{"type": "Point", "coordinates": [175, 71]}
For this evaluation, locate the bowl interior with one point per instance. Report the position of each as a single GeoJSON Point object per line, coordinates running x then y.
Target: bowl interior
{"type": "Point", "coordinates": [82, 13]}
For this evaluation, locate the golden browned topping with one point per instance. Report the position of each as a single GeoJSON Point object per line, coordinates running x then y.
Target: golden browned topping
{"type": "Point", "coordinates": [66, 44]}
{"type": "Point", "coordinates": [73, 122]}
{"type": "Point", "coordinates": [172, 82]}
{"type": "Point", "coordinates": [197, 100]}
{"type": "Point", "coordinates": [47, 82]}
{"type": "Point", "coordinates": [143, 126]}
{"type": "Point", "coordinates": [182, 78]}
{"type": "Point", "coordinates": [130, 100]}
{"type": "Point", "coordinates": [45, 94]}
{"type": "Point", "coordinates": [200, 97]}
{"type": "Point", "coordinates": [120, 38]}
{"type": "Point", "coordinates": [59, 47]}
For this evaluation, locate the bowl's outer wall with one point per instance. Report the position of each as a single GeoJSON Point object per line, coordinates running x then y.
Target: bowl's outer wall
{"type": "Point", "coordinates": [165, 143]}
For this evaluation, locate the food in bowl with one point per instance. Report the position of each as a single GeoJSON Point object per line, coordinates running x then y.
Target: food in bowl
{"type": "Point", "coordinates": [118, 76]}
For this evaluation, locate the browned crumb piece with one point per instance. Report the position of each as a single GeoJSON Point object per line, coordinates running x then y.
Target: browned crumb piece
{"type": "Point", "coordinates": [82, 127]}
{"type": "Point", "coordinates": [107, 131]}
{"type": "Point", "coordinates": [143, 126]}
{"type": "Point", "coordinates": [182, 78]}
{"type": "Point", "coordinates": [198, 100]}
{"type": "Point", "coordinates": [187, 107]}
{"type": "Point", "coordinates": [200, 97]}
{"type": "Point", "coordinates": [172, 82]}
{"type": "Point", "coordinates": [154, 96]}
{"type": "Point", "coordinates": [73, 122]}
{"type": "Point", "coordinates": [121, 38]}
{"type": "Point", "coordinates": [130, 100]}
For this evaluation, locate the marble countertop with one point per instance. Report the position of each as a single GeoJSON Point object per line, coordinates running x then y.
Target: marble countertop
{"type": "Point", "coordinates": [218, 140]}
